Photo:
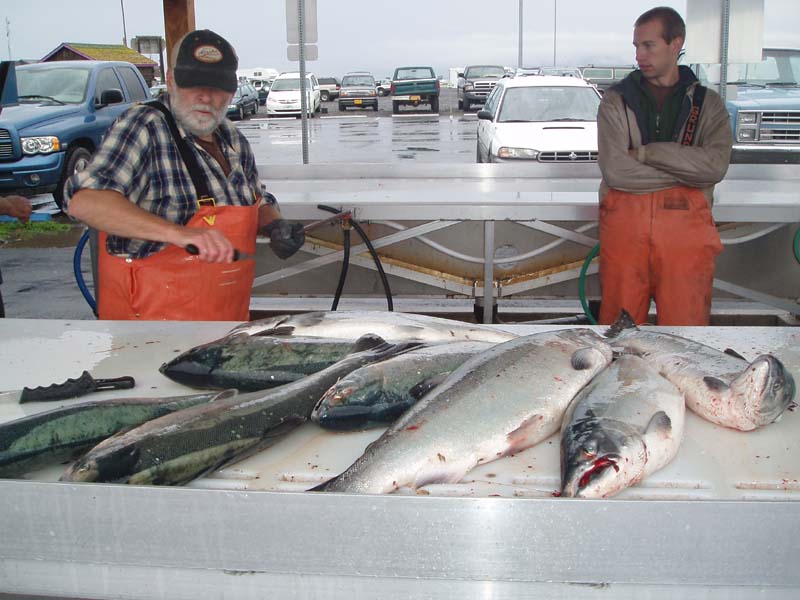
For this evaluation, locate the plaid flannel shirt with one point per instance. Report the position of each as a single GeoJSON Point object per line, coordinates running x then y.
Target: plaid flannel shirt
{"type": "Point", "coordinates": [139, 159]}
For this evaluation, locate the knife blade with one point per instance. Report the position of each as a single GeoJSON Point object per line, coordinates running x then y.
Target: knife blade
{"type": "Point", "coordinates": [71, 388]}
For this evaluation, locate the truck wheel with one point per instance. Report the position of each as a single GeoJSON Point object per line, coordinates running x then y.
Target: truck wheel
{"type": "Point", "coordinates": [241, 112]}
{"type": "Point", "coordinates": [342, 107]}
{"type": "Point", "coordinates": [77, 159]}
{"type": "Point", "coordinates": [375, 107]}
{"type": "Point", "coordinates": [323, 96]}
{"type": "Point", "coordinates": [466, 105]}
{"type": "Point", "coordinates": [435, 105]}
{"type": "Point", "coordinates": [395, 108]}
{"type": "Point", "coordinates": [460, 105]}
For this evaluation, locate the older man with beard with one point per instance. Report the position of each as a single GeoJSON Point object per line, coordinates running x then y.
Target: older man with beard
{"type": "Point", "coordinates": [172, 175]}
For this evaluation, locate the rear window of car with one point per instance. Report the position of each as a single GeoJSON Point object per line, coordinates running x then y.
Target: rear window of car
{"type": "Point", "coordinates": [328, 81]}
{"type": "Point", "coordinates": [415, 73]}
{"type": "Point", "coordinates": [358, 81]}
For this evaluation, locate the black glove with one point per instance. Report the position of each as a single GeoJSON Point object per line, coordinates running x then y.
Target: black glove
{"type": "Point", "coordinates": [285, 238]}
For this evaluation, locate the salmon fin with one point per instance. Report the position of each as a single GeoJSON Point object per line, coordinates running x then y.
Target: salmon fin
{"type": "Point", "coordinates": [734, 353]}
{"type": "Point", "coordinates": [273, 435]}
{"type": "Point", "coordinates": [280, 331]}
{"type": "Point", "coordinates": [225, 394]}
{"type": "Point", "coordinates": [660, 424]}
{"type": "Point", "coordinates": [426, 385]}
{"type": "Point", "coordinates": [367, 341]}
{"type": "Point", "coordinates": [624, 321]}
{"type": "Point", "coordinates": [585, 358]}
{"type": "Point", "coordinates": [525, 435]}
{"type": "Point", "coordinates": [714, 384]}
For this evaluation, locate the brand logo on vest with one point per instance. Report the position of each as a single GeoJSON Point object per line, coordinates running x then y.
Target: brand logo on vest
{"type": "Point", "coordinates": [210, 220]}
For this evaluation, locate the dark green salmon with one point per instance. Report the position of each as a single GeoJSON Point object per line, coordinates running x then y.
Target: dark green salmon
{"type": "Point", "coordinates": [249, 362]}
{"type": "Point", "coordinates": [54, 435]}
{"type": "Point", "coordinates": [184, 445]}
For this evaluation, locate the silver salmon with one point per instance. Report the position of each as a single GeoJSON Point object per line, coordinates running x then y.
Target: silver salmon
{"type": "Point", "coordinates": [391, 326]}
{"type": "Point", "coordinates": [499, 402]}
{"type": "Point", "coordinates": [720, 387]}
{"type": "Point", "coordinates": [624, 425]}
{"type": "Point", "coordinates": [375, 395]}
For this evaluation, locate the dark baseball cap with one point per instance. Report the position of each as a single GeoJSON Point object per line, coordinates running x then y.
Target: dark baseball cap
{"type": "Point", "coordinates": [206, 59]}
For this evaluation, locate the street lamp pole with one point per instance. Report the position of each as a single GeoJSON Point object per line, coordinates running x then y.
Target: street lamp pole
{"type": "Point", "coordinates": [554, 32]}
{"type": "Point", "coordinates": [124, 30]}
{"type": "Point", "coordinates": [519, 57]}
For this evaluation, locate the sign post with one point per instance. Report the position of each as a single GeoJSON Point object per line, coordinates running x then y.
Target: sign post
{"type": "Point", "coordinates": [301, 27]}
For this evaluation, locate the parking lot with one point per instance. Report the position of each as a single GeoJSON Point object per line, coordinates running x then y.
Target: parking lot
{"type": "Point", "coordinates": [366, 136]}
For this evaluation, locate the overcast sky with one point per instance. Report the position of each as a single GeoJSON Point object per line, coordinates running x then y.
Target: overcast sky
{"type": "Point", "coordinates": [374, 36]}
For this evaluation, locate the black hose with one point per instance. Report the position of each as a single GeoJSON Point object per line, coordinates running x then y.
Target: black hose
{"type": "Point", "coordinates": [343, 273]}
{"type": "Point", "coordinates": [373, 253]}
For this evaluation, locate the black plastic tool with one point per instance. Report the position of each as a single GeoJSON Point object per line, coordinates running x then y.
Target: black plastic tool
{"type": "Point", "coordinates": [72, 388]}
{"type": "Point", "coordinates": [237, 254]}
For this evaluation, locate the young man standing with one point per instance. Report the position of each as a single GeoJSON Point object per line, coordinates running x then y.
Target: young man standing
{"type": "Point", "coordinates": [664, 141]}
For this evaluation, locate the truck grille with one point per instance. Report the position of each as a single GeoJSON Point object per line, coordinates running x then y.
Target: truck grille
{"type": "Point", "coordinates": [568, 156]}
{"type": "Point", "coordinates": [484, 86]}
{"type": "Point", "coordinates": [781, 118]}
{"type": "Point", "coordinates": [6, 150]}
{"type": "Point", "coordinates": [780, 135]}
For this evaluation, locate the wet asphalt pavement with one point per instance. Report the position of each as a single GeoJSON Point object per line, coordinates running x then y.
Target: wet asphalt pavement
{"type": "Point", "coordinates": [38, 282]}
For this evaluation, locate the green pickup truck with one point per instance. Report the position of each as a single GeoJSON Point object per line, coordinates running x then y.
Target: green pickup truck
{"type": "Point", "coordinates": [415, 86]}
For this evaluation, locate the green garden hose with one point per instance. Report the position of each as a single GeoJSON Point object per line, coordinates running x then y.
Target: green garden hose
{"type": "Point", "coordinates": [796, 245]}
{"type": "Point", "coordinates": [582, 280]}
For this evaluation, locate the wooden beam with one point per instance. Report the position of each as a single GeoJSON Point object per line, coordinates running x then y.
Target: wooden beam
{"type": "Point", "coordinates": [178, 21]}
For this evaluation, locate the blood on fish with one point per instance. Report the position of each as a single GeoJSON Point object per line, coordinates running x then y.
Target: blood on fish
{"type": "Point", "coordinates": [600, 464]}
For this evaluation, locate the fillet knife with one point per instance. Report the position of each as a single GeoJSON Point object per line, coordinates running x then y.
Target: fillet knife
{"type": "Point", "coordinates": [71, 388]}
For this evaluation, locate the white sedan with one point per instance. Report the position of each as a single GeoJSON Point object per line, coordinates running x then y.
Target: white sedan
{"type": "Point", "coordinates": [540, 118]}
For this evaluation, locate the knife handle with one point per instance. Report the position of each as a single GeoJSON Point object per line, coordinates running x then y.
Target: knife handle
{"type": "Point", "coordinates": [72, 388]}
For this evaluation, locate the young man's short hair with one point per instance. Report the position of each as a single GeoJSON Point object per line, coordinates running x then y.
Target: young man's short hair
{"type": "Point", "coordinates": [671, 22]}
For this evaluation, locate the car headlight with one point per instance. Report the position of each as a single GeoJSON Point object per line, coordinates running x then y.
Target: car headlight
{"type": "Point", "coordinates": [231, 106]}
{"type": "Point", "coordinates": [40, 145]}
{"type": "Point", "coordinates": [747, 118]}
{"type": "Point", "coordinates": [373, 93]}
{"type": "Point", "coordinates": [747, 135]}
{"type": "Point", "coordinates": [468, 87]}
{"type": "Point", "coordinates": [524, 153]}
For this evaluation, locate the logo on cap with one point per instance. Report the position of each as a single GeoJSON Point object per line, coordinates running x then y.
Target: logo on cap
{"type": "Point", "coordinates": [208, 54]}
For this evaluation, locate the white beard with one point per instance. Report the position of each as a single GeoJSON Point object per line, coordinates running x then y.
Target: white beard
{"type": "Point", "coordinates": [195, 123]}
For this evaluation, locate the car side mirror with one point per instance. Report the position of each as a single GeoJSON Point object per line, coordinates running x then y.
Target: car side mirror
{"type": "Point", "coordinates": [485, 114]}
{"type": "Point", "coordinates": [113, 96]}
{"type": "Point", "coordinates": [460, 74]}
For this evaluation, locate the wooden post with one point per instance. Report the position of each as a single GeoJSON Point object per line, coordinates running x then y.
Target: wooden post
{"type": "Point", "coordinates": [178, 21]}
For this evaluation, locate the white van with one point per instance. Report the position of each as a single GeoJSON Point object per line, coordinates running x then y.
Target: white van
{"type": "Point", "coordinates": [284, 95]}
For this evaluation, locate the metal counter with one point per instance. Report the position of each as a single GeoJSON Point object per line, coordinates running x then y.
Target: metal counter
{"type": "Point", "coordinates": [544, 198]}
{"type": "Point", "coordinates": [721, 521]}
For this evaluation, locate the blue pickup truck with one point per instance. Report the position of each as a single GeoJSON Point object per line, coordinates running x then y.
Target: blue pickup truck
{"type": "Point", "coordinates": [764, 107]}
{"type": "Point", "coordinates": [63, 110]}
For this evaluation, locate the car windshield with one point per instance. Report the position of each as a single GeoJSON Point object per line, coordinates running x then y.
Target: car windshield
{"type": "Point", "coordinates": [474, 72]}
{"type": "Point", "coordinates": [778, 68]}
{"type": "Point", "coordinates": [62, 85]}
{"type": "Point", "coordinates": [285, 85]}
{"type": "Point", "coordinates": [416, 73]}
{"type": "Point", "coordinates": [549, 104]}
{"type": "Point", "coordinates": [358, 81]}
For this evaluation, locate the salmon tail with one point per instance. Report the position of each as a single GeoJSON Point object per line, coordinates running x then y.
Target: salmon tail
{"type": "Point", "coordinates": [323, 487]}
{"type": "Point", "coordinates": [624, 321]}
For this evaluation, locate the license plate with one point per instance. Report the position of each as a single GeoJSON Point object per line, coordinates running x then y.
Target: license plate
{"type": "Point", "coordinates": [357, 101]}
{"type": "Point", "coordinates": [414, 98]}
